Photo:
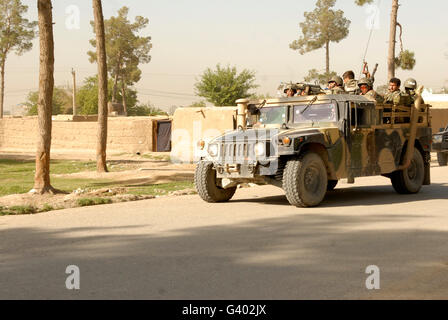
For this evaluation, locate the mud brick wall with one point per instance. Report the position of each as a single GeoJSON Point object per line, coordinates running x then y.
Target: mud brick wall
{"type": "Point", "coordinates": [130, 135]}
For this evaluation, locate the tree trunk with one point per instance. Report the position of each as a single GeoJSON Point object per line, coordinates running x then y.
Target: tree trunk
{"type": "Point", "coordinates": [44, 105]}
{"type": "Point", "coordinates": [123, 98]}
{"type": "Point", "coordinates": [327, 57]}
{"type": "Point", "coordinates": [392, 41]}
{"type": "Point", "coordinates": [115, 88]}
{"type": "Point", "coordinates": [2, 89]}
{"type": "Point", "coordinates": [102, 87]}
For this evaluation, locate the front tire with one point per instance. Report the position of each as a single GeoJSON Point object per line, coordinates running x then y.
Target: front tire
{"type": "Point", "coordinates": [206, 184]}
{"type": "Point", "coordinates": [410, 180]}
{"type": "Point", "coordinates": [305, 180]}
{"type": "Point", "coordinates": [442, 158]}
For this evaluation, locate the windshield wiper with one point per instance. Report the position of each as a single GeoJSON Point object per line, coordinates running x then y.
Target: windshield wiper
{"type": "Point", "coordinates": [309, 105]}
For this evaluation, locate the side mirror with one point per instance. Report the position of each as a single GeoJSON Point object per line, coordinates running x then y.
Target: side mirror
{"type": "Point", "coordinates": [441, 129]}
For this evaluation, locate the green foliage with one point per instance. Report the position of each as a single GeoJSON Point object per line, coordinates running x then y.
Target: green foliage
{"type": "Point", "coordinates": [87, 96]}
{"type": "Point", "coordinates": [321, 26]}
{"type": "Point", "coordinates": [224, 86]}
{"type": "Point", "coordinates": [198, 104]}
{"type": "Point", "coordinates": [363, 2]}
{"type": "Point", "coordinates": [62, 102]}
{"type": "Point", "coordinates": [84, 202]}
{"type": "Point", "coordinates": [16, 31]}
{"type": "Point", "coordinates": [125, 49]}
{"type": "Point", "coordinates": [406, 60]}
{"type": "Point", "coordinates": [47, 208]}
{"type": "Point", "coordinates": [145, 110]}
{"type": "Point", "coordinates": [321, 78]}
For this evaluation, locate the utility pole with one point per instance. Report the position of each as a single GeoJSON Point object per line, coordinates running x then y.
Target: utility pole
{"type": "Point", "coordinates": [74, 92]}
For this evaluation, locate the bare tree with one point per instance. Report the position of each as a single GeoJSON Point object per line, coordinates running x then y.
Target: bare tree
{"type": "Point", "coordinates": [102, 87]}
{"type": "Point", "coordinates": [46, 85]}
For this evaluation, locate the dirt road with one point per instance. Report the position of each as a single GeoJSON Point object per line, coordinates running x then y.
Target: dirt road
{"type": "Point", "coordinates": [255, 247]}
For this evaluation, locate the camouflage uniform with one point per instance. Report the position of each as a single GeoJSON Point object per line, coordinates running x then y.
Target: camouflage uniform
{"type": "Point", "coordinates": [335, 90]}
{"type": "Point", "coordinates": [393, 97]}
{"type": "Point", "coordinates": [351, 87]}
{"type": "Point", "coordinates": [338, 88]}
{"type": "Point", "coordinates": [374, 96]}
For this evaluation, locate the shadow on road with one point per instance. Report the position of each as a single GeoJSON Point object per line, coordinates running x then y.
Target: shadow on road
{"type": "Point", "coordinates": [312, 256]}
{"type": "Point", "coordinates": [365, 196]}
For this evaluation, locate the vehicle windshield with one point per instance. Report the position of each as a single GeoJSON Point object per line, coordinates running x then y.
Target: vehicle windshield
{"type": "Point", "coordinates": [315, 113]}
{"type": "Point", "coordinates": [273, 115]}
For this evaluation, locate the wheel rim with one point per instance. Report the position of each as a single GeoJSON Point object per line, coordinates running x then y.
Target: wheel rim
{"type": "Point", "coordinates": [311, 178]}
{"type": "Point", "coordinates": [412, 171]}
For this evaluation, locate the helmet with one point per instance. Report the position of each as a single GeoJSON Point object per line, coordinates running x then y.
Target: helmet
{"type": "Point", "coordinates": [289, 86]}
{"type": "Point", "coordinates": [365, 81]}
{"type": "Point", "coordinates": [411, 84]}
{"type": "Point", "coordinates": [337, 79]}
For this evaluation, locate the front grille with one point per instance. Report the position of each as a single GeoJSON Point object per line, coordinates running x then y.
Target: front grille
{"type": "Point", "coordinates": [445, 138]}
{"type": "Point", "coordinates": [240, 152]}
{"type": "Point", "coordinates": [236, 150]}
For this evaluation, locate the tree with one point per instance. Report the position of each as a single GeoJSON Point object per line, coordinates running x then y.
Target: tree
{"type": "Point", "coordinates": [224, 86]}
{"type": "Point", "coordinates": [321, 27]}
{"type": "Point", "coordinates": [125, 50]}
{"type": "Point", "coordinates": [320, 78]}
{"type": "Point", "coordinates": [62, 102]}
{"type": "Point", "coordinates": [101, 58]}
{"type": "Point", "coordinates": [16, 34]}
{"type": "Point", "coordinates": [406, 59]}
{"type": "Point", "coordinates": [87, 96]}
{"type": "Point", "coordinates": [145, 110]}
{"type": "Point", "coordinates": [45, 102]}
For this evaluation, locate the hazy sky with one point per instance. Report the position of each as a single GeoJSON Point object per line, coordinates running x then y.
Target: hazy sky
{"type": "Point", "coordinates": [190, 35]}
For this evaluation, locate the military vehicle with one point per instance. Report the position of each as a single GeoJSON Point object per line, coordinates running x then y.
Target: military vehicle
{"type": "Point", "coordinates": [440, 145]}
{"type": "Point", "coordinates": [305, 145]}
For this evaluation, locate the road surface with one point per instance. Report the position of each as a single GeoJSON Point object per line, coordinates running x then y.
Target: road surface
{"type": "Point", "coordinates": [255, 247]}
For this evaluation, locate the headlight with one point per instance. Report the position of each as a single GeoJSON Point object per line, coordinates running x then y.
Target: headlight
{"type": "Point", "coordinates": [437, 139]}
{"type": "Point", "coordinates": [260, 149]}
{"type": "Point", "coordinates": [213, 150]}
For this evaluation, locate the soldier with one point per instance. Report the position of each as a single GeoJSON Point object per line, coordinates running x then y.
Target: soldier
{"type": "Point", "coordinates": [366, 87]}
{"type": "Point", "coordinates": [335, 86]}
{"type": "Point", "coordinates": [350, 84]}
{"type": "Point", "coordinates": [393, 96]}
{"type": "Point", "coordinates": [290, 90]}
{"type": "Point", "coordinates": [410, 86]}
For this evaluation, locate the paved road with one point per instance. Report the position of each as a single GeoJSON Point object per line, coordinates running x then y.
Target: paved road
{"type": "Point", "coordinates": [255, 247]}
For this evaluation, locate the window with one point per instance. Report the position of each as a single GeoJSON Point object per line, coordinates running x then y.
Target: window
{"type": "Point", "coordinates": [273, 115]}
{"type": "Point", "coordinates": [362, 115]}
{"type": "Point", "coordinates": [315, 113]}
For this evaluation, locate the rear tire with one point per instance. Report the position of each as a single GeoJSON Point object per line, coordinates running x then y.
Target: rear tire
{"type": "Point", "coordinates": [332, 185]}
{"type": "Point", "coordinates": [410, 180]}
{"type": "Point", "coordinates": [305, 180]}
{"type": "Point", "coordinates": [206, 184]}
{"type": "Point", "coordinates": [442, 158]}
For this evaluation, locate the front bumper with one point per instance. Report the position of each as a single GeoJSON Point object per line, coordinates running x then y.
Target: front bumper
{"type": "Point", "coordinates": [246, 170]}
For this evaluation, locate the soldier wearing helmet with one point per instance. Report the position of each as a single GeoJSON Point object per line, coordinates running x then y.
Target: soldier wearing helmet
{"type": "Point", "coordinates": [410, 85]}
{"type": "Point", "coordinates": [290, 90]}
{"type": "Point", "coordinates": [335, 86]}
{"type": "Point", "coordinates": [366, 89]}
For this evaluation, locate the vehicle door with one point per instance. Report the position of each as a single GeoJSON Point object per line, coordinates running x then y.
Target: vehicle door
{"type": "Point", "coordinates": [361, 159]}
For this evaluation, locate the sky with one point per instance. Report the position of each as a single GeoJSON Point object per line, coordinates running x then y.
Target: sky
{"type": "Point", "coordinates": [189, 36]}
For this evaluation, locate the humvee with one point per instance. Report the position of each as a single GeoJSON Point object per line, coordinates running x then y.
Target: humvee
{"type": "Point", "coordinates": [440, 145]}
{"type": "Point", "coordinates": [305, 145]}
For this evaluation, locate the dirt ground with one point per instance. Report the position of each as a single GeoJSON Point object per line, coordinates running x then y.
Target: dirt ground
{"type": "Point", "coordinates": [151, 169]}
